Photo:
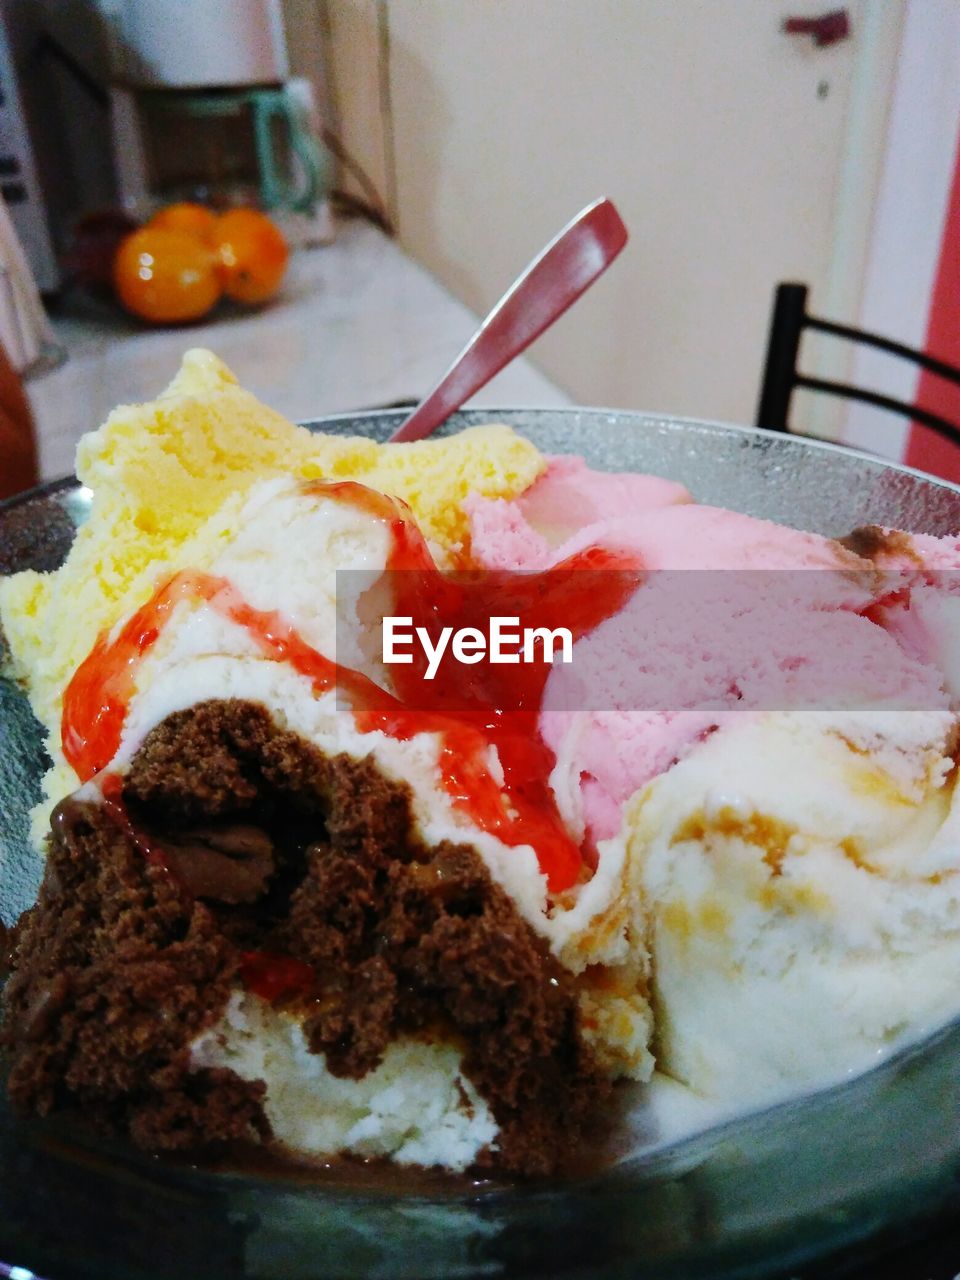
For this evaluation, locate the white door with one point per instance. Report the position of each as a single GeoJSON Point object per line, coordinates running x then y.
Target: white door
{"type": "Point", "coordinates": [738, 156]}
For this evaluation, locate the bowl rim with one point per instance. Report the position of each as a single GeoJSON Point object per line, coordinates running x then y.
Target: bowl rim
{"type": "Point", "coordinates": [495, 413]}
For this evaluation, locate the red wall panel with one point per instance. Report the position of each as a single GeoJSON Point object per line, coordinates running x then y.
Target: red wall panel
{"type": "Point", "coordinates": [925, 449]}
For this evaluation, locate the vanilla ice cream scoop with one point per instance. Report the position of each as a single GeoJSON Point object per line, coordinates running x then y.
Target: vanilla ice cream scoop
{"type": "Point", "coordinates": [800, 875]}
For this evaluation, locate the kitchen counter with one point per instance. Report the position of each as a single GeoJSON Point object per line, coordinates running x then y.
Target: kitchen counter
{"type": "Point", "coordinates": [358, 324]}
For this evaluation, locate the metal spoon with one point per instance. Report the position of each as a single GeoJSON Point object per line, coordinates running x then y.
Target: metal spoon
{"type": "Point", "coordinates": [553, 281]}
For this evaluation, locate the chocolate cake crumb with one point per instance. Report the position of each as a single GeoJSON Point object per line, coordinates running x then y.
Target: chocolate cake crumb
{"type": "Point", "coordinates": [235, 835]}
{"type": "Point", "coordinates": [113, 974]}
{"type": "Point", "coordinates": [229, 863]}
{"type": "Point", "coordinates": [870, 541]}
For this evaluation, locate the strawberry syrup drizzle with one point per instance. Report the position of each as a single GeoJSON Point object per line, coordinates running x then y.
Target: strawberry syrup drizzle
{"type": "Point", "coordinates": [471, 708]}
{"type": "Point", "coordinates": [274, 977]}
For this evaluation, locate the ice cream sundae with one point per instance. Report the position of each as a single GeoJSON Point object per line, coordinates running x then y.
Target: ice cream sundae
{"type": "Point", "coordinates": [333, 868]}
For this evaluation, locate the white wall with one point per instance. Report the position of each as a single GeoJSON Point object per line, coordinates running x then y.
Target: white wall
{"type": "Point", "coordinates": [734, 153]}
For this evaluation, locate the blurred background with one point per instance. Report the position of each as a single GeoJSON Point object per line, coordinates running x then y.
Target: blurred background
{"type": "Point", "coordinates": [415, 154]}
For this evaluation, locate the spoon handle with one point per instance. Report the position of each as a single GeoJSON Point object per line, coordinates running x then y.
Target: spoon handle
{"type": "Point", "coordinates": [553, 281]}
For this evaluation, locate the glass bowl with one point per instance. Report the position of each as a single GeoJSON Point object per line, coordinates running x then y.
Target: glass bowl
{"type": "Point", "coordinates": [836, 1176]}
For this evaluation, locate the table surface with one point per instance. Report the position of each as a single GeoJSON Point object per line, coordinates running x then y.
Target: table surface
{"type": "Point", "coordinates": [358, 324]}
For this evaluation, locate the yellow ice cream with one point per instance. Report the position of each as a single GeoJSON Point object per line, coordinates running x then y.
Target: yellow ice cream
{"type": "Point", "coordinates": [168, 479]}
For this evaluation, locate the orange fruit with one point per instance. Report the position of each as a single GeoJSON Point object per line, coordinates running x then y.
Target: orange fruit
{"type": "Point", "coordinates": [194, 219]}
{"type": "Point", "coordinates": [253, 255]}
{"type": "Point", "coordinates": [166, 276]}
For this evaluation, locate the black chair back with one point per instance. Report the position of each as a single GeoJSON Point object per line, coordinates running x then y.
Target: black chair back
{"type": "Point", "coordinates": [781, 375]}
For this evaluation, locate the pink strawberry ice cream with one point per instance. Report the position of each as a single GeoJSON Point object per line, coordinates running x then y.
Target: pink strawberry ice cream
{"type": "Point", "coordinates": [571, 507]}
{"type": "Point", "coordinates": [568, 497]}
{"type": "Point", "coordinates": [694, 647]}
{"type": "Point", "coordinates": [925, 620]}
{"type": "Point", "coordinates": [692, 652]}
